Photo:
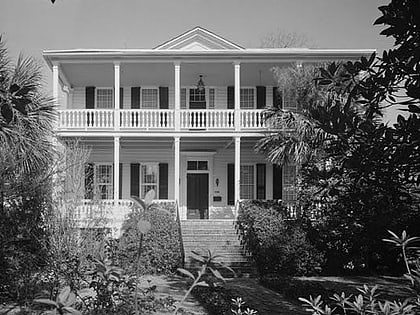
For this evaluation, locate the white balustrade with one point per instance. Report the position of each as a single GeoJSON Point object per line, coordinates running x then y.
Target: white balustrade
{"type": "Point", "coordinates": [86, 118]}
{"type": "Point", "coordinates": [207, 118]}
{"type": "Point", "coordinates": [147, 118]}
{"type": "Point", "coordinates": [251, 118]}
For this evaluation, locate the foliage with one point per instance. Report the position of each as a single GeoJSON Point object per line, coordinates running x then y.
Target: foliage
{"type": "Point", "coordinates": [208, 274]}
{"type": "Point", "coordinates": [239, 304]}
{"type": "Point", "coordinates": [216, 300]}
{"type": "Point", "coordinates": [281, 39]}
{"type": "Point", "coordinates": [63, 303]}
{"type": "Point", "coordinates": [278, 245]}
{"type": "Point", "coordinates": [367, 301]}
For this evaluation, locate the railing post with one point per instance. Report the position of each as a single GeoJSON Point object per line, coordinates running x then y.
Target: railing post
{"type": "Point", "coordinates": [177, 66]}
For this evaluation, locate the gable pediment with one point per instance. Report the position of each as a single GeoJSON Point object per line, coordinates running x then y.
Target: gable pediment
{"type": "Point", "coordinates": [198, 39]}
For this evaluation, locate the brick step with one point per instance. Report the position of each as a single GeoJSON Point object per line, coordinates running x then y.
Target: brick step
{"type": "Point", "coordinates": [214, 247]}
{"type": "Point", "coordinates": [201, 230]}
{"type": "Point", "coordinates": [211, 240]}
{"type": "Point", "coordinates": [222, 256]}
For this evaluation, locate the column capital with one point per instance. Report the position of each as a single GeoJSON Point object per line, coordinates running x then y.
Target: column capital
{"type": "Point", "coordinates": [236, 63]}
{"type": "Point", "coordinates": [117, 63]}
{"type": "Point", "coordinates": [177, 63]}
{"type": "Point", "coordinates": [117, 138]}
{"type": "Point", "coordinates": [55, 64]}
{"type": "Point", "coordinates": [299, 64]}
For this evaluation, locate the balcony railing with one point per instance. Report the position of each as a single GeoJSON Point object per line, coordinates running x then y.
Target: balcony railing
{"type": "Point", "coordinates": [159, 119]}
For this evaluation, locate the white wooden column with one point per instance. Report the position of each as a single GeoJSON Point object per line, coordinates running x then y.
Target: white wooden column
{"type": "Point", "coordinates": [177, 115]}
{"type": "Point", "coordinates": [116, 168]}
{"type": "Point", "coordinates": [55, 82]}
{"type": "Point", "coordinates": [176, 167]}
{"type": "Point", "coordinates": [237, 168]}
{"type": "Point", "coordinates": [116, 95]}
{"type": "Point", "coordinates": [237, 66]}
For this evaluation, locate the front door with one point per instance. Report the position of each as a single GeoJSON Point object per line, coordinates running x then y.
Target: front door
{"type": "Point", "coordinates": [197, 196]}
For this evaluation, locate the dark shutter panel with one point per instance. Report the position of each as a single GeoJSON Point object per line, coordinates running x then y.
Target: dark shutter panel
{"type": "Point", "coordinates": [90, 97]}
{"type": "Point", "coordinates": [277, 97]}
{"type": "Point", "coordinates": [134, 179]}
{"type": "Point", "coordinates": [260, 97]}
{"type": "Point", "coordinates": [121, 97]}
{"type": "Point", "coordinates": [120, 181]}
{"type": "Point", "coordinates": [163, 180]}
{"type": "Point", "coordinates": [163, 97]}
{"type": "Point", "coordinates": [261, 181]}
{"type": "Point", "coordinates": [231, 184]}
{"type": "Point", "coordinates": [89, 173]}
{"type": "Point", "coordinates": [135, 97]}
{"type": "Point", "coordinates": [230, 97]}
{"type": "Point", "coordinates": [277, 182]}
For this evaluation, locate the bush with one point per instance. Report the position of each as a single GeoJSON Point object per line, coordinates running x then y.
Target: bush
{"type": "Point", "coordinates": [161, 248]}
{"type": "Point", "coordinates": [278, 245]}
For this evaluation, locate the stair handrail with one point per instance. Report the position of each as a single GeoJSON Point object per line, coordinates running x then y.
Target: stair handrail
{"type": "Point", "coordinates": [178, 221]}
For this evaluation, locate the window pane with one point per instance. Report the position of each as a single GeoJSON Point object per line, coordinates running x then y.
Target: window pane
{"type": "Point", "coordinates": [149, 178]}
{"type": "Point", "coordinates": [211, 98]}
{"type": "Point", "coordinates": [149, 98]}
{"type": "Point", "coordinates": [247, 98]}
{"type": "Point", "coordinates": [104, 98]}
{"type": "Point", "coordinates": [104, 181]}
{"type": "Point", "coordinates": [202, 165]}
{"type": "Point", "coordinates": [192, 165]}
{"type": "Point", "coordinates": [183, 98]}
{"type": "Point", "coordinates": [247, 182]}
{"type": "Point", "coordinates": [289, 183]}
{"type": "Point", "coordinates": [197, 95]}
{"type": "Point", "coordinates": [289, 100]}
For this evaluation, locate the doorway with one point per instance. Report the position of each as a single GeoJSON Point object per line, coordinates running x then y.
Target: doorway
{"type": "Point", "coordinates": [198, 196]}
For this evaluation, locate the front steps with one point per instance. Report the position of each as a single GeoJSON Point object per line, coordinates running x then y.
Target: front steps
{"type": "Point", "coordinates": [220, 237]}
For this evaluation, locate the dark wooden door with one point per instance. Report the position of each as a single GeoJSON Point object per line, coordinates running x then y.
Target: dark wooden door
{"type": "Point", "coordinates": [197, 196]}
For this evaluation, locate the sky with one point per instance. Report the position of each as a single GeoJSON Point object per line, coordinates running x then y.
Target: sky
{"type": "Point", "coordinates": [30, 26]}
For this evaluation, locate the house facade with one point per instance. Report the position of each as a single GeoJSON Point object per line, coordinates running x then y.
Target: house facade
{"type": "Point", "coordinates": [182, 119]}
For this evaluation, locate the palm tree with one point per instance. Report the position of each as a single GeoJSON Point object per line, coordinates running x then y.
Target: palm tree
{"type": "Point", "coordinates": [26, 114]}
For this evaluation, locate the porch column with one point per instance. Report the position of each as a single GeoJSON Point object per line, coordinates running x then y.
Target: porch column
{"type": "Point", "coordinates": [177, 115]}
{"type": "Point", "coordinates": [116, 168]}
{"type": "Point", "coordinates": [55, 83]}
{"type": "Point", "coordinates": [237, 168]}
{"type": "Point", "coordinates": [237, 95]}
{"type": "Point", "coordinates": [117, 95]}
{"type": "Point", "coordinates": [176, 166]}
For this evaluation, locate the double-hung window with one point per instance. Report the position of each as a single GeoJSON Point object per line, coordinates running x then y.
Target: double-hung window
{"type": "Point", "coordinates": [149, 179]}
{"type": "Point", "coordinates": [247, 98]}
{"type": "Point", "coordinates": [104, 98]}
{"type": "Point", "coordinates": [289, 182]}
{"type": "Point", "coordinates": [104, 181]}
{"type": "Point", "coordinates": [247, 182]}
{"type": "Point", "coordinates": [149, 98]}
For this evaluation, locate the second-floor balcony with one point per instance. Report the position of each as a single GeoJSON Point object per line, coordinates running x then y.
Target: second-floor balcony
{"type": "Point", "coordinates": [160, 119]}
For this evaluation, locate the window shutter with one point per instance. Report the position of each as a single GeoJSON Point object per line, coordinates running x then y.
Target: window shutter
{"type": "Point", "coordinates": [260, 181]}
{"type": "Point", "coordinates": [163, 97]}
{"type": "Point", "coordinates": [277, 182]}
{"type": "Point", "coordinates": [277, 97]}
{"type": "Point", "coordinates": [163, 180]}
{"type": "Point", "coordinates": [121, 97]}
{"type": "Point", "coordinates": [230, 97]}
{"type": "Point", "coordinates": [120, 181]}
{"type": "Point", "coordinates": [90, 97]}
{"type": "Point", "coordinates": [260, 97]}
{"type": "Point", "coordinates": [231, 184]}
{"type": "Point", "coordinates": [89, 173]}
{"type": "Point", "coordinates": [135, 97]}
{"type": "Point", "coordinates": [134, 179]}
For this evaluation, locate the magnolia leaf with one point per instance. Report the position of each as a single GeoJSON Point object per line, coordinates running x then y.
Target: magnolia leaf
{"type": "Point", "coordinates": [186, 272]}
{"type": "Point", "coordinates": [46, 302]}
{"type": "Point", "coordinates": [150, 195]}
{"type": "Point", "coordinates": [70, 310]}
{"type": "Point", "coordinates": [138, 202]}
{"type": "Point", "coordinates": [64, 295]}
{"type": "Point", "coordinates": [202, 284]}
{"type": "Point", "coordinates": [217, 274]}
{"type": "Point", "coordinates": [86, 292]}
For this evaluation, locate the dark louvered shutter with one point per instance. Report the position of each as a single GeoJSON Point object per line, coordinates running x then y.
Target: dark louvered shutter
{"type": "Point", "coordinates": [90, 97]}
{"type": "Point", "coordinates": [163, 97]}
{"type": "Point", "coordinates": [231, 184]}
{"type": "Point", "coordinates": [277, 97]}
{"type": "Point", "coordinates": [260, 97]}
{"type": "Point", "coordinates": [230, 97]}
{"type": "Point", "coordinates": [163, 180]}
{"type": "Point", "coordinates": [261, 181]}
{"type": "Point", "coordinates": [134, 179]}
{"type": "Point", "coordinates": [120, 181]}
{"type": "Point", "coordinates": [277, 182]}
{"type": "Point", "coordinates": [89, 173]}
{"type": "Point", "coordinates": [135, 97]}
{"type": "Point", "coordinates": [121, 97]}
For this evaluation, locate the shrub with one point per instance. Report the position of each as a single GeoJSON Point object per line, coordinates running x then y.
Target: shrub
{"type": "Point", "coordinates": [161, 248]}
{"type": "Point", "coordinates": [277, 245]}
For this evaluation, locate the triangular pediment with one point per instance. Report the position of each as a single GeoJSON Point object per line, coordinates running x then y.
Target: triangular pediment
{"type": "Point", "coordinates": [198, 39]}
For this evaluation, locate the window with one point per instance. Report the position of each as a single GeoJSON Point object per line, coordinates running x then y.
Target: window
{"type": "Point", "coordinates": [211, 97]}
{"type": "Point", "coordinates": [104, 98]}
{"type": "Point", "coordinates": [104, 181]}
{"type": "Point", "coordinates": [289, 183]}
{"type": "Point", "coordinates": [247, 182]}
{"type": "Point", "coordinates": [247, 98]}
{"type": "Point", "coordinates": [289, 100]}
{"type": "Point", "coordinates": [197, 95]}
{"type": "Point", "coordinates": [197, 165]}
{"type": "Point", "coordinates": [149, 179]}
{"type": "Point", "coordinates": [149, 98]}
{"type": "Point", "coordinates": [183, 98]}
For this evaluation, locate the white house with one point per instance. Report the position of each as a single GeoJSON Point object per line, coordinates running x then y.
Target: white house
{"type": "Point", "coordinates": [181, 118]}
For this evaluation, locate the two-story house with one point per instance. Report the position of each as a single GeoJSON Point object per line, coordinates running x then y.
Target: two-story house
{"type": "Point", "coordinates": [181, 118]}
